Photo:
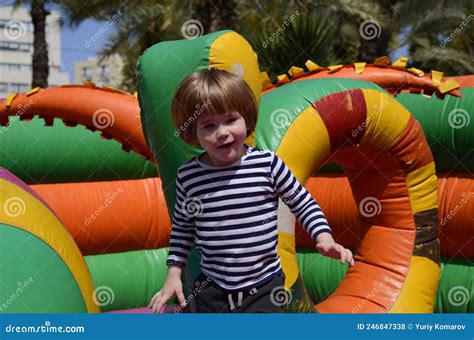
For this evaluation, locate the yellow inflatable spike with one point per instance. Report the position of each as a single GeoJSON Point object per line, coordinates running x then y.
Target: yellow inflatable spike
{"type": "Point", "coordinates": [311, 66]}
{"type": "Point", "coordinates": [416, 72]}
{"type": "Point", "coordinates": [265, 79]}
{"type": "Point", "coordinates": [135, 94]}
{"type": "Point", "coordinates": [448, 85]}
{"type": "Point", "coordinates": [282, 79]}
{"type": "Point", "coordinates": [359, 67]}
{"type": "Point", "coordinates": [107, 87]}
{"type": "Point", "coordinates": [385, 60]}
{"type": "Point", "coordinates": [32, 91]}
{"type": "Point", "coordinates": [400, 62]}
{"type": "Point", "coordinates": [436, 77]}
{"type": "Point", "coordinates": [296, 72]}
{"type": "Point", "coordinates": [334, 68]}
{"type": "Point", "coordinates": [9, 99]}
{"type": "Point", "coordinates": [89, 83]}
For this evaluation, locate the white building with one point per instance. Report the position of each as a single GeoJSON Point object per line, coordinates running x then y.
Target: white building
{"type": "Point", "coordinates": [106, 73]}
{"type": "Point", "coordinates": [16, 50]}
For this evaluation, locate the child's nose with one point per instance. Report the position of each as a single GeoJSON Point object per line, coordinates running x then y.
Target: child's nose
{"type": "Point", "coordinates": [222, 131]}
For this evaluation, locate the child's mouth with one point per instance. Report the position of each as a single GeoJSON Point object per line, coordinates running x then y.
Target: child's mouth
{"type": "Point", "coordinates": [225, 146]}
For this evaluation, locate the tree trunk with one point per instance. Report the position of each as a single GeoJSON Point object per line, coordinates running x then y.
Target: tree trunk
{"type": "Point", "coordinates": [215, 15]}
{"type": "Point", "coordinates": [40, 48]}
{"type": "Point", "coordinates": [379, 39]}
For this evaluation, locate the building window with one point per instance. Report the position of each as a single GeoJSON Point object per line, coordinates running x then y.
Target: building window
{"type": "Point", "coordinates": [3, 87]}
{"type": "Point", "coordinates": [15, 67]}
{"type": "Point", "coordinates": [104, 75]}
{"type": "Point", "coordinates": [28, 26]}
{"type": "Point", "coordinates": [13, 46]}
{"type": "Point", "coordinates": [17, 87]}
{"type": "Point", "coordinates": [87, 74]}
{"type": "Point", "coordinates": [104, 71]}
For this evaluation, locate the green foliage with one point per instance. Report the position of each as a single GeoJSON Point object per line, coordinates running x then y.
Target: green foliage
{"type": "Point", "coordinates": [303, 36]}
{"type": "Point", "coordinates": [289, 32]}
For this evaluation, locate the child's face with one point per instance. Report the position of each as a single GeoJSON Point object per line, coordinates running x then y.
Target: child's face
{"type": "Point", "coordinates": [222, 136]}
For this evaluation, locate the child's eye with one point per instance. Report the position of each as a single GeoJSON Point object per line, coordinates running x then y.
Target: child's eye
{"type": "Point", "coordinates": [230, 121]}
{"type": "Point", "coordinates": [208, 126]}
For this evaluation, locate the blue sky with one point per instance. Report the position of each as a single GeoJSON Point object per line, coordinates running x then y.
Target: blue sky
{"type": "Point", "coordinates": [73, 44]}
{"type": "Point", "coordinates": [73, 41]}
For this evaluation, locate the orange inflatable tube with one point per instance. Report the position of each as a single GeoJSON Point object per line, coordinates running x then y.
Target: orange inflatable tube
{"type": "Point", "coordinates": [115, 113]}
{"type": "Point", "coordinates": [102, 220]}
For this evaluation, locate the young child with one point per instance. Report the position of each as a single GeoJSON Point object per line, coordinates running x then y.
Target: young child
{"type": "Point", "coordinates": [227, 202]}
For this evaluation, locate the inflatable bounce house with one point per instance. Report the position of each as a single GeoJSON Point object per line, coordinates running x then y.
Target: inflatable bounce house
{"type": "Point", "coordinates": [386, 151]}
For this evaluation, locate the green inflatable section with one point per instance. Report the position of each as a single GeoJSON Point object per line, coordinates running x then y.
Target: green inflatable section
{"type": "Point", "coordinates": [456, 287]}
{"type": "Point", "coordinates": [448, 125]}
{"type": "Point", "coordinates": [127, 280]}
{"type": "Point", "coordinates": [42, 281]}
{"type": "Point", "coordinates": [60, 154]}
{"type": "Point", "coordinates": [160, 70]}
{"type": "Point", "coordinates": [134, 277]}
{"type": "Point", "coordinates": [455, 293]}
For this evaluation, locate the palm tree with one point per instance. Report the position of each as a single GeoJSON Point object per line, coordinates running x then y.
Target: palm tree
{"type": "Point", "coordinates": [40, 60]}
{"type": "Point", "coordinates": [328, 32]}
{"type": "Point", "coordinates": [40, 47]}
{"type": "Point", "coordinates": [145, 23]}
{"type": "Point", "coordinates": [288, 33]}
{"type": "Point", "coordinates": [443, 39]}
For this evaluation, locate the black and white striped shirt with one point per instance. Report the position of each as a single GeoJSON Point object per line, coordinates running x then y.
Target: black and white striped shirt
{"type": "Point", "coordinates": [231, 214]}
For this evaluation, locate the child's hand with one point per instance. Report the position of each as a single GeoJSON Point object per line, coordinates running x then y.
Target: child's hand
{"type": "Point", "coordinates": [172, 286]}
{"type": "Point", "coordinates": [336, 251]}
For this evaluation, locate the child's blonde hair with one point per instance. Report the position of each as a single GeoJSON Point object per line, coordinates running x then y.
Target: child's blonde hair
{"type": "Point", "coordinates": [210, 92]}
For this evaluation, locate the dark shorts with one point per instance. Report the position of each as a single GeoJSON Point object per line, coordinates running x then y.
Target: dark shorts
{"type": "Point", "coordinates": [267, 298]}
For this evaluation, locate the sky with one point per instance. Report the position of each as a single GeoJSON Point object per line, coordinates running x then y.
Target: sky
{"type": "Point", "coordinates": [75, 42]}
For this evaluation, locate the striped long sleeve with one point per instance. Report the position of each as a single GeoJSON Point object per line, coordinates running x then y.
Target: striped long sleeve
{"type": "Point", "coordinates": [298, 199]}
{"type": "Point", "coordinates": [182, 229]}
{"type": "Point", "coordinates": [231, 214]}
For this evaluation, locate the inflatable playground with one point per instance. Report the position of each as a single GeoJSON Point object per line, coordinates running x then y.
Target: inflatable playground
{"type": "Point", "coordinates": [87, 182]}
